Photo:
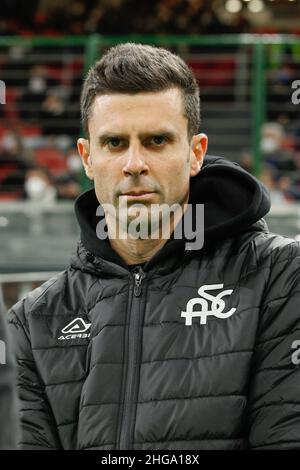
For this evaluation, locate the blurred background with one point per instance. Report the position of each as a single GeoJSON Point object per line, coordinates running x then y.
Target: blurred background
{"type": "Point", "coordinates": [246, 57]}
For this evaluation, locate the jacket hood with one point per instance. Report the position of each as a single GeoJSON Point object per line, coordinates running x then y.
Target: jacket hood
{"type": "Point", "coordinates": [234, 201]}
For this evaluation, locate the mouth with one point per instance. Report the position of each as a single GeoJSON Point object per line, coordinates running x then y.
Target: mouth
{"type": "Point", "coordinates": [138, 194]}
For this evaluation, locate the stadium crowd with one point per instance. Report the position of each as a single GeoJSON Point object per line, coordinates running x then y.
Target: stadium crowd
{"type": "Point", "coordinates": [103, 16]}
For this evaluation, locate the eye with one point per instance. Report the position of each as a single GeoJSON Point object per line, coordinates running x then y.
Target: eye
{"type": "Point", "coordinates": [158, 140]}
{"type": "Point", "coordinates": [114, 143]}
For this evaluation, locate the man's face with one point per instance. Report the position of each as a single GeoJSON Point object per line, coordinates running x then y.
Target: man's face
{"type": "Point", "coordinates": [139, 150]}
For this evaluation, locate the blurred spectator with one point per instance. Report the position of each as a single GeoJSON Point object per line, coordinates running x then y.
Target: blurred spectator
{"type": "Point", "coordinates": [74, 163]}
{"type": "Point", "coordinates": [273, 148]}
{"type": "Point", "coordinates": [279, 88]}
{"type": "Point", "coordinates": [68, 184]}
{"type": "Point", "coordinates": [16, 66]}
{"type": "Point", "coordinates": [34, 93]}
{"type": "Point", "coordinates": [13, 164]}
{"type": "Point", "coordinates": [67, 187]}
{"type": "Point", "coordinates": [279, 187]}
{"type": "Point", "coordinates": [54, 116]}
{"type": "Point", "coordinates": [39, 185]}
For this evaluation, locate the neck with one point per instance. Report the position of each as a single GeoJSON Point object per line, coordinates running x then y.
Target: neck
{"type": "Point", "coordinates": [136, 251]}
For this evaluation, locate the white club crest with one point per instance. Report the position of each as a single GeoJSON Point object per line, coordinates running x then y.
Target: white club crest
{"type": "Point", "coordinates": [217, 305]}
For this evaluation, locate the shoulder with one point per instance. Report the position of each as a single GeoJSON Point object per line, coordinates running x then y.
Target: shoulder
{"type": "Point", "coordinates": [260, 253]}
{"type": "Point", "coordinates": [38, 298]}
{"type": "Point", "coordinates": [279, 260]}
{"type": "Point", "coordinates": [272, 248]}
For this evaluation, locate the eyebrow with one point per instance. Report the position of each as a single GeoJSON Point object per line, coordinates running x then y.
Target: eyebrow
{"type": "Point", "coordinates": [142, 136]}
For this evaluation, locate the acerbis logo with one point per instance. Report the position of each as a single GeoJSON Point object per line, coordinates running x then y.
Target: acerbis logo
{"type": "Point", "coordinates": [217, 305]}
{"type": "Point", "coordinates": [76, 329]}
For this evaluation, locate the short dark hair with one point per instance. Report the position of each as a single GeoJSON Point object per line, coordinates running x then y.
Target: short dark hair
{"type": "Point", "coordinates": [132, 68]}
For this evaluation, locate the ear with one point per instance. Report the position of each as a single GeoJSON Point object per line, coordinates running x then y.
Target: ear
{"type": "Point", "coordinates": [197, 153]}
{"type": "Point", "coordinates": [84, 152]}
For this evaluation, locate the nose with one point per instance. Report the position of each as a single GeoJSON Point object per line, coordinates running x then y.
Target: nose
{"type": "Point", "coordinates": [135, 162]}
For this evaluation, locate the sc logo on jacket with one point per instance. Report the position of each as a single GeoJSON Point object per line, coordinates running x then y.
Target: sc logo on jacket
{"type": "Point", "coordinates": [217, 305]}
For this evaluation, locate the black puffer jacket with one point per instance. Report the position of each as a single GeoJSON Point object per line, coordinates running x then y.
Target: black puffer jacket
{"type": "Point", "coordinates": [108, 359]}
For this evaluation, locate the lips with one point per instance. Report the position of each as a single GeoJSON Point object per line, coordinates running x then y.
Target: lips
{"type": "Point", "coordinates": [137, 193]}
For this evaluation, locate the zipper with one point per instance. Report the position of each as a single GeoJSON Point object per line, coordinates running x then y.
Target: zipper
{"type": "Point", "coordinates": [138, 279]}
{"type": "Point", "coordinates": [133, 340]}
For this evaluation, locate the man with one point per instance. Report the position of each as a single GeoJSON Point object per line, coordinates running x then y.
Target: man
{"type": "Point", "coordinates": [149, 342]}
{"type": "Point", "coordinates": [8, 405]}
